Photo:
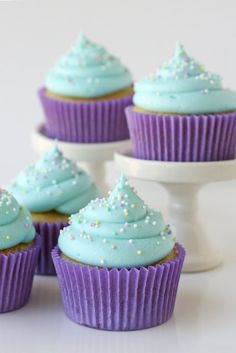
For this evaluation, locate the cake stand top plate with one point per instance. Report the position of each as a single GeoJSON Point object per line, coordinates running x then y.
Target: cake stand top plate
{"type": "Point", "coordinates": [174, 172]}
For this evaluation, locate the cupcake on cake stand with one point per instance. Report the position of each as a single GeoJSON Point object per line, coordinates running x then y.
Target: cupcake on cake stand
{"type": "Point", "coordinates": [182, 126]}
{"type": "Point", "coordinates": [83, 99]}
{"type": "Point", "coordinates": [183, 182]}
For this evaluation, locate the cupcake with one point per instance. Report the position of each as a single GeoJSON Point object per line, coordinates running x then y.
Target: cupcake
{"type": "Point", "coordinates": [19, 249]}
{"type": "Point", "coordinates": [117, 264]}
{"type": "Point", "coordinates": [182, 113]}
{"type": "Point", "coordinates": [52, 189]}
{"type": "Point", "coordinates": [85, 95]}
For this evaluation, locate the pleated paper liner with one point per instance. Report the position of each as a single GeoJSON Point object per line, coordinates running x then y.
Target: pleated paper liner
{"type": "Point", "coordinates": [49, 233]}
{"type": "Point", "coordinates": [119, 299]}
{"type": "Point", "coordinates": [16, 276]}
{"type": "Point", "coordinates": [184, 138]}
{"type": "Point", "coordinates": [85, 122]}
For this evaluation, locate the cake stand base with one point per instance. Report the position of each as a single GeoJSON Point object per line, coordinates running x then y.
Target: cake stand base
{"type": "Point", "coordinates": [90, 156]}
{"type": "Point", "coordinates": [183, 182]}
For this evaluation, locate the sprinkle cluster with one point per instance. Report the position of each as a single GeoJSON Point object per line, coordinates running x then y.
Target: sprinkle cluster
{"type": "Point", "coordinates": [49, 171]}
{"type": "Point", "coordinates": [182, 67]}
{"type": "Point", "coordinates": [9, 212]}
{"type": "Point", "coordinates": [88, 71]}
{"type": "Point", "coordinates": [52, 183]}
{"type": "Point", "coordinates": [8, 205]}
{"type": "Point", "coordinates": [86, 54]}
{"type": "Point", "coordinates": [117, 223]}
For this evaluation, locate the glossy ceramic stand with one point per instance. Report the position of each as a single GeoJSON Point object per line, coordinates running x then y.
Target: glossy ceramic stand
{"type": "Point", "coordinates": [182, 182]}
{"type": "Point", "coordinates": [91, 156]}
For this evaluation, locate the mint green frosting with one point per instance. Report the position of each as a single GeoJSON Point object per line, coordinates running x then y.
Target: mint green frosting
{"type": "Point", "coordinates": [183, 86]}
{"type": "Point", "coordinates": [87, 71]}
{"type": "Point", "coordinates": [54, 183]}
{"type": "Point", "coordinates": [117, 231]}
{"type": "Point", "coordinates": [15, 222]}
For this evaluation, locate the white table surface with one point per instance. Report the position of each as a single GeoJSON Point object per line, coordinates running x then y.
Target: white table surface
{"type": "Point", "coordinates": [205, 315]}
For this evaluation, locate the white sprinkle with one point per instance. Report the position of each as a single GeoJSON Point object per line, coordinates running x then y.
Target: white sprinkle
{"type": "Point", "coordinates": [126, 212]}
{"type": "Point", "coordinates": [139, 252]}
{"type": "Point", "coordinates": [131, 241]}
{"type": "Point", "coordinates": [205, 91]}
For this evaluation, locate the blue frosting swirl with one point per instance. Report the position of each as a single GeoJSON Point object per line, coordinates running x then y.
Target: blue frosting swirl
{"type": "Point", "coordinates": [15, 222]}
{"type": "Point", "coordinates": [183, 86]}
{"type": "Point", "coordinates": [54, 183]}
{"type": "Point", "coordinates": [88, 71]}
{"type": "Point", "coordinates": [117, 231]}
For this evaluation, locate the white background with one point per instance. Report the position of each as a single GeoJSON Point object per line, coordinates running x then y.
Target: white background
{"type": "Point", "coordinates": [33, 34]}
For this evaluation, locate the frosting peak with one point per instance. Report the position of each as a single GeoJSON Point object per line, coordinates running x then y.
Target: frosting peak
{"type": "Point", "coordinates": [88, 71]}
{"type": "Point", "coordinates": [54, 183]}
{"type": "Point", "coordinates": [183, 86]}
{"type": "Point", "coordinates": [15, 222]}
{"type": "Point", "coordinates": [83, 41]}
{"type": "Point", "coordinates": [117, 231]}
{"type": "Point", "coordinates": [182, 66]}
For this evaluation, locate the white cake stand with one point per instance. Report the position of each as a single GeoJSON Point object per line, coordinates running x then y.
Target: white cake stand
{"type": "Point", "coordinates": [91, 156]}
{"type": "Point", "coordinates": [183, 181]}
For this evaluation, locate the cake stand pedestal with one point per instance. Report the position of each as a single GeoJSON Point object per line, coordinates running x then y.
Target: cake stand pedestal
{"type": "Point", "coordinates": [182, 182]}
{"type": "Point", "coordinates": [90, 156]}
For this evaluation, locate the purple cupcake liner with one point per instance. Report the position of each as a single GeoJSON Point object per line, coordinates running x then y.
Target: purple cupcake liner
{"type": "Point", "coordinates": [119, 299]}
{"type": "Point", "coordinates": [192, 138]}
{"type": "Point", "coordinates": [92, 122]}
{"type": "Point", "coordinates": [49, 233]}
{"type": "Point", "coordinates": [16, 277]}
